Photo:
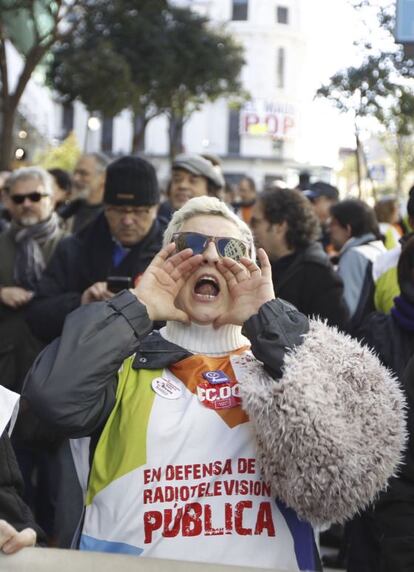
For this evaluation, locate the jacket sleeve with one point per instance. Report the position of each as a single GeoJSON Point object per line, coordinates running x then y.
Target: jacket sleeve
{"type": "Point", "coordinates": [52, 302]}
{"type": "Point", "coordinates": [276, 328]}
{"type": "Point", "coordinates": [72, 383]}
{"type": "Point", "coordinates": [330, 432]}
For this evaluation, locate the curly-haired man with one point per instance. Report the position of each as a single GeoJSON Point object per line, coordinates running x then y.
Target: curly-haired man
{"type": "Point", "coordinates": [285, 225]}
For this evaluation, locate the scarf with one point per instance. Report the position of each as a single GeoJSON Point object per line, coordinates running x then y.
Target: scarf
{"type": "Point", "coordinates": [30, 261]}
{"type": "Point", "coordinates": [403, 313]}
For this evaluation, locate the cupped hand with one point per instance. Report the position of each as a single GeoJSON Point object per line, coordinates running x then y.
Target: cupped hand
{"type": "Point", "coordinates": [11, 541]}
{"type": "Point", "coordinates": [163, 279]}
{"type": "Point", "coordinates": [98, 292]}
{"type": "Point", "coordinates": [249, 285]}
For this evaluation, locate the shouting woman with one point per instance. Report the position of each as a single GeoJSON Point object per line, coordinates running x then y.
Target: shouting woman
{"type": "Point", "coordinates": [226, 435]}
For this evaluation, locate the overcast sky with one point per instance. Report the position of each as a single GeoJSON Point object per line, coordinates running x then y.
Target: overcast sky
{"type": "Point", "coordinates": [331, 26]}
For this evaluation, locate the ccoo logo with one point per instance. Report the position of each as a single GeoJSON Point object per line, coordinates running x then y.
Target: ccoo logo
{"type": "Point", "coordinates": [217, 376]}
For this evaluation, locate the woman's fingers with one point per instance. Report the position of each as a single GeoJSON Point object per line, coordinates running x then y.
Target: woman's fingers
{"type": "Point", "coordinates": [251, 267]}
{"type": "Point", "coordinates": [7, 531]}
{"type": "Point", "coordinates": [26, 537]}
{"type": "Point", "coordinates": [11, 541]}
{"type": "Point", "coordinates": [163, 254]}
{"type": "Point", "coordinates": [186, 267]}
{"type": "Point", "coordinates": [265, 266]}
{"type": "Point", "coordinates": [234, 271]}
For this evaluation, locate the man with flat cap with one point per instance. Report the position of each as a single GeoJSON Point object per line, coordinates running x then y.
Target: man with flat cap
{"type": "Point", "coordinates": [192, 176]}
{"type": "Point", "coordinates": [107, 255]}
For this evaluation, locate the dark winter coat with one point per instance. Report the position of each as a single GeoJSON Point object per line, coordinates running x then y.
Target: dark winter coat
{"type": "Point", "coordinates": [307, 280]}
{"type": "Point", "coordinates": [393, 345]}
{"type": "Point", "coordinates": [80, 261]}
{"type": "Point", "coordinates": [18, 346]}
{"type": "Point", "coordinates": [12, 507]}
{"type": "Point", "coordinates": [382, 537]}
{"type": "Point", "coordinates": [78, 214]}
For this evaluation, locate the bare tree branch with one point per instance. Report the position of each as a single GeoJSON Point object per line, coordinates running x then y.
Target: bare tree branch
{"type": "Point", "coordinates": [33, 19]}
{"type": "Point", "coordinates": [4, 72]}
{"type": "Point", "coordinates": [32, 60]}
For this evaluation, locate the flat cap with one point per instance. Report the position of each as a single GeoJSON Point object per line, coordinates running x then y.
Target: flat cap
{"type": "Point", "coordinates": [197, 165]}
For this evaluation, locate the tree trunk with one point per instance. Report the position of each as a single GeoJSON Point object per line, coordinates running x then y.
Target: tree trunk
{"type": "Point", "coordinates": [398, 165]}
{"type": "Point", "coordinates": [368, 173]}
{"type": "Point", "coordinates": [140, 123]}
{"type": "Point", "coordinates": [358, 163]}
{"type": "Point", "coordinates": [175, 135]}
{"type": "Point", "coordinates": [6, 137]}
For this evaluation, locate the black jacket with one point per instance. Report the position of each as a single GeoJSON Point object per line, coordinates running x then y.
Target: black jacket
{"type": "Point", "coordinates": [393, 345]}
{"type": "Point", "coordinates": [308, 280]}
{"type": "Point", "coordinates": [78, 262]}
{"type": "Point", "coordinates": [12, 507]}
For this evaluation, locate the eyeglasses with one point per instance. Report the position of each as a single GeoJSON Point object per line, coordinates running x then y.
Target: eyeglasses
{"type": "Point", "coordinates": [134, 211]}
{"type": "Point", "coordinates": [33, 197]}
{"type": "Point", "coordinates": [226, 246]}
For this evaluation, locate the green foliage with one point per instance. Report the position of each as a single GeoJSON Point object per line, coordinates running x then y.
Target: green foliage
{"type": "Point", "coordinates": [148, 56]}
{"type": "Point", "coordinates": [381, 86]}
{"type": "Point", "coordinates": [204, 64]}
{"type": "Point", "coordinates": [374, 89]}
{"type": "Point", "coordinates": [64, 156]}
{"type": "Point", "coordinates": [36, 26]}
{"type": "Point", "coordinates": [107, 88]}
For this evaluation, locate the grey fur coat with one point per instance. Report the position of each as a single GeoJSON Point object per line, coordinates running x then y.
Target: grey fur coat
{"type": "Point", "coordinates": [331, 431]}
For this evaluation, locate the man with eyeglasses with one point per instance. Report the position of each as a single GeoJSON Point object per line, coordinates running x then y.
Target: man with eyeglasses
{"type": "Point", "coordinates": [107, 255]}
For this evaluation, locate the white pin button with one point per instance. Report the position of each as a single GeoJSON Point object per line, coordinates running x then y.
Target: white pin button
{"type": "Point", "coordinates": [167, 388]}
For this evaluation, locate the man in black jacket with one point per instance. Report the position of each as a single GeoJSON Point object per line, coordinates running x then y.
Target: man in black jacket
{"type": "Point", "coordinates": [120, 243]}
{"type": "Point", "coordinates": [285, 225]}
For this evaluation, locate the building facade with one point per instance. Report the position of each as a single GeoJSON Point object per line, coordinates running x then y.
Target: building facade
{"type": "Point", "coordinates": [260, 139]}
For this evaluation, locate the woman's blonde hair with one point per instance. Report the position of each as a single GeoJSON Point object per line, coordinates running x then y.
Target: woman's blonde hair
{"type": "Point", "coordinates": [199, 206]}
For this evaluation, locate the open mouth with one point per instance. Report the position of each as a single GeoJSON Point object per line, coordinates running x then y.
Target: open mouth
{"type": "Point", "coordinates": [207, 286]}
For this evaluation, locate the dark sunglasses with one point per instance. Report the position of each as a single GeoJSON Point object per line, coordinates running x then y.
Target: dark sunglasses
{"type": "Point", "coordinates": [33, 197]}
{"type": "Point", "coordinates": [226, 246]}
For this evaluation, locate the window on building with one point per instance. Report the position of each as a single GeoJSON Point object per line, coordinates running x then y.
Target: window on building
{"type": "Point", "coordinates": [107, 134]}
{"type": "Point", "coordinates": [280, 67]}
{"type": "Point", "coordinates": [282, 15]}
{"type": "Point", "coordinates": [67, 119]}
{"type": "Point", "coordinates": [240, 9]}
{"type": "Point", "coordinates": [234, 132]}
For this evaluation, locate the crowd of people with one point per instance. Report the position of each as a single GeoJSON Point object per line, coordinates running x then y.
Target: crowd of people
{"type": "Point", "coordinates": [212, 374]}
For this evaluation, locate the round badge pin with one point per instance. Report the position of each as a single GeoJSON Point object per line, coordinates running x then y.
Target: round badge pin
{"type": "Point", "coordinates": [167, 388]}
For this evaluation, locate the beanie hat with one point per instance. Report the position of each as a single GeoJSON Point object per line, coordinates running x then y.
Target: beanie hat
{"type": "Point", "coordinates": [198, 165]}
{"type": "Point", "coordinates": [131, 181]}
